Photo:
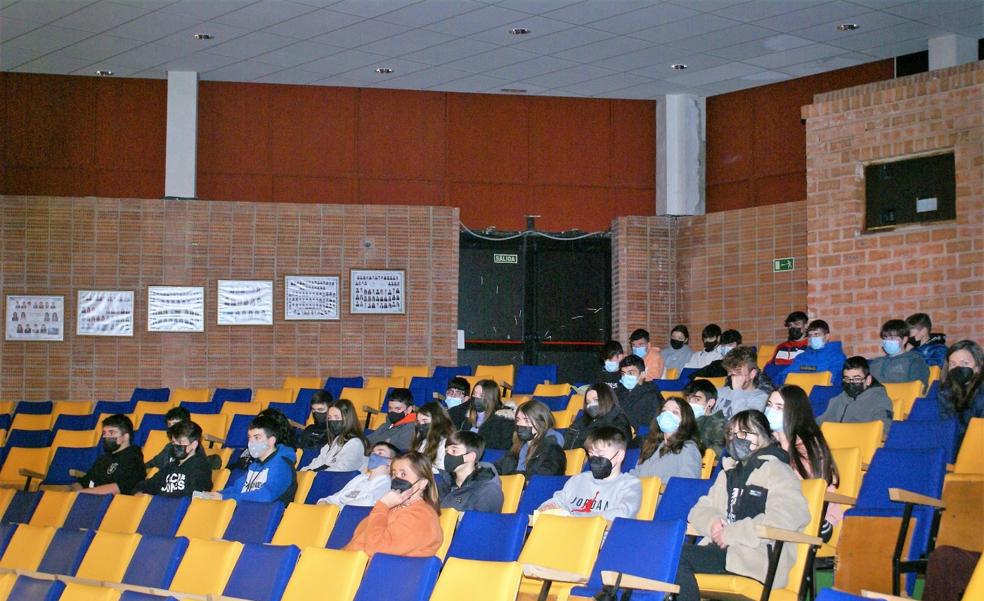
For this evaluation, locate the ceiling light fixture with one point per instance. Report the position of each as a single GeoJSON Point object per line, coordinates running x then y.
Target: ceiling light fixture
{"type": "Point", "coordinates": [103, 72]}
{"type": "Point", "coordinates": [847, 26]}
{"type": "Point", "coordinates": [678, 66]}
{"type": "Point", "coordinates": [203, 36]}
{"type": "Point", "coordinates": [513, 90]}
{"type": "Point", "coordinates": [519, 31]}
{"type": "Point", "coordinates": [384, 70]}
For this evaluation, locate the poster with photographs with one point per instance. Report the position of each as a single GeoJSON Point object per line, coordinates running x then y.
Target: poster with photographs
{"type": "Point", "coordinates": [105, 313]}
{"type": "Point", "coordinates": [175, 309]}
{"type": "Point", "coordinates": [377, 291]}
{"type": "Point", "coordinates": [35, 318]}
{"type": "Point", "coordinates": [245, 303]}
{"type": "Point", "coordinates": [310, 297]}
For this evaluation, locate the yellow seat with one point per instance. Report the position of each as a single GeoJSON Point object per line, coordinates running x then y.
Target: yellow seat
{"type": "Point", "coordinates": [650, 497]}
{"type": "Point", "coordinates": [359, 397]}
{"type": "Point", "coordinates": [672, 373]}
{"type": "Point", "coordinates": [306, 525]}
{"type": "Point", "coordinates": [807, 380]}
{"type": "Point", "coordinates": [562, 419]}
{"type": "Point", "coordinates": [477, 580]}
{"type": "Point", "coordinates": [265, 396]}
{"type": "Point", "coordinates": [206, 519]}
{"type": "Point", "coordinates": [449, 522]}
{"type": "Point", "coordinates": [189, 395]}
{"type": "Point", "coordinates": [308, 578]}
{"type": "Point", "coordinates": [223, 453]}
{"type": "Point", "coordinates": [866, 436]}
{"type": "Point", "coordinates": [903, 395]}
{"type": "Point", "coordinates": [561, 543]}
{"type": "Point", "coordinates": [8, 407]}
{"type": "Point", "coordinates": [27, 421]}
{"type": "Point", "coordinates": [975, 588]}
{"type": "Point", "coordinates": [124, 514]}
{"type": "Point", "coordinates": [19, 458]}
{"type": "Point", "coordinates": [6, 583]}
{"type": "Point", "coordinates": [575, 461]}
{"type": "Point", "coordinates": [512, 489]}
{"type": "Point", "coordinates": [108, 556]}
{"type": "Point", "coordinates": [27, 547]}
{"type": "Point", "coordinates": [76, 438]}
{"type": "Point", "coordinates": [304, 482]}
{"type": "Point", "coordinates": [730, 586]}
{"type": "Point", "coordinates": [707, 463]}
{"type": "Point", "coordinates": [231, 409]}
{"type": "Point", "coordinates": [6, 495]}
{"type": "Point", "coordinates": [385, 383]}
{"type": "Point", "coordinates": [970, 457]}
{"type": "Point", "coordinates": [576, 404]}
{"type": "Point", "coordinates": [72, 408]}
{"type": "Point", "coordinates": [934, 375]}
{"type": "Point", "coordinates": [765, 354]}
{"type": "Point", "coordinates": [53, 508]}
{"type": "Point", "coordinates": [3, 437]}
{"type": "Point", "coordinates": [212, 425]}
{"type": "Point", "coordinates": [409, 371]}
{"type": "Point", "coordinates": [206, 566]}
{"type": "Point", "coordinates": [75, 591]}
{"type": "Point", "coordinates": [142, 408]}
{"type": "Point", "coordinates": [716, 382]}
{"type": "Point", "coordinates": [156, 441]}
{"type": "Point", "coordinates": [497, 373]}
{"type": "Point", "coordinates": [220, 478]}
{"type": "Point", "coordinates": [296, 383]}
{"type": "Point", "coordinates": [848, 462]}
{"type": "Point", "coordinates": [552, 389]}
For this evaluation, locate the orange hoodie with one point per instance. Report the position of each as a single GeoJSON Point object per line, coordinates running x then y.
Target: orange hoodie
{"type": "Point", "coordinates": [411, 531]}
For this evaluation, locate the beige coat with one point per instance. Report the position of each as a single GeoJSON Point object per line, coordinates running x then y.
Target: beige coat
{"type": "Point", "coordinates": [785, 507]}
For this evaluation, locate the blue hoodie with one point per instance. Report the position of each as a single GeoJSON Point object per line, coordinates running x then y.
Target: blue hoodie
{"type": "Point", "coordinates": [265, 481]}
{"type": "Point", "coordinates": [829, 358]}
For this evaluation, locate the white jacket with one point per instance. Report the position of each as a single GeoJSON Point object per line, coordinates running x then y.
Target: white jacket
{"type": "Point", "coordinates": [335, 457]}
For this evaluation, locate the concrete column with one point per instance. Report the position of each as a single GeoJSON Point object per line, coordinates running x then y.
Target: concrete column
{"type": "Point", "coordinates": [182, 134]}
{"type": "Point", "coordinates": [951, 50]}
{"type": "Point", "coordinates": [680, 155]}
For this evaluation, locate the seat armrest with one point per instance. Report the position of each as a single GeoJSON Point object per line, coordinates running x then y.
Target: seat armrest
{"type": "Point", "coordinates": [789, 536]}
{"type": "Point", "coordinates": [505, 385]}
{"type": "Point", "coordinates": [370, 410]}
{"type": "Point", "coordinates": [609, 578]}
{"type": "Point", "coordinates": [213, 439]}
{"type": "Point", "coordinates": [76, 473]}
{"type": "Point", "coordinates": [691, 531]}
{"type": "Point", "coordinates": [900, 495]}
{"type": "Point", "coordinates": [544, 573]}
{"type": "Point", "coordinates": [33, 474]}
{"type": "Point", "coordinates": [835, 497]}
{"type": "Point", "coordinates": [294, 424]}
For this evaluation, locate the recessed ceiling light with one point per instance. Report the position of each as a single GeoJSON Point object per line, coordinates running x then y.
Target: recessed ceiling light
{"type": "Point", "coordinates": [203, 36]}
{"type": "Point", "coordinates": [847, 26]}
{"type": "Point", "coordinates": [678, 66]}
{"type": "Point", "coordinates": [513, 90]}
{"type": "Point", "coordinates": [384, 70]}
{"type": "Point", "coordinates": [103, 72]}
{"type": "Point", "coordinates": [519, 31]}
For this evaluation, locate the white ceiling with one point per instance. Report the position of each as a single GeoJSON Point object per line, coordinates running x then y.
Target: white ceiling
{"type": "Point", "coordinates": [603, 48]}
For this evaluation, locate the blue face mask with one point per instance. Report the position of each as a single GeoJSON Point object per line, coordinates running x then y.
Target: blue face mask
{"type": "Point", "coordinates": [640, 351]}
{"type": "Point", "coordinates": [453, 402]}
{"type": "Point", "coordinates": [725, 350]}
{"type": "Point", "coordinates": [816, 342]}
{"type": "Point", "coordinates": [611, 366]}
{"type": "Point", "coordinates": [629, 382]}
{"type": "Point", "coordinates": [377, 461]}
{"type": "Point", "coordinates": [775, 418]}
{"type": "Point", "coordinates": [698, 410]}
{"type": "Point", "coordinates": [892, 347]}
{"type": "Point", "coordinates": [668, 422]}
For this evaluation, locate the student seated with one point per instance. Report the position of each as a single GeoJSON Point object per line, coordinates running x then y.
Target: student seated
{"type": "Point", "coordinates": [467, 486]}
{"type": "Point", "coordinates": [746, 387]}
{"type": "Point", "coordinates": [187, 471]}
{"type": "Point", "coordinates": [796, 342]}
{"type": "Point", "coordinates": [456, 394]}
{"type": "Point", "coordinates": [604, 490]}
{"type": "Point", "coordinates": [650, 354]}
{"type": "Point", "coordinates": [756, 486]}
{"type": "Point", "coordinates": [284, 433]}
{"type": "Point", "coordinates": [404, 521]}
{"type": "Point", "coordinates": [898, 364]}
{"type": "Point", "coordinates": [316, 435]}
{"type": "Point", "coordinates": [431, 434]}
{"type": "Point", "coordinates": [121, 466]}
{"type": "Point", "coordinates": [678, 353]}
{"type": "Point", "coordinates": [931, 346]}
{"type": "Point", "coordinates": [711, 334]}
{"type": "Point", "coordinates": [863, 399]}
{"type": "Point", "coordinates": [485, 414]}
{"type": "Point", "coordinates": [270, 476]}
{"type": "Point", "coordinates": [162, 459]}
{"type": "Point", "coordinates": [345, 450]}
{"type": "Point", "coordinates": [401, 421]}
{"type": "Point", "coordinates": [702, 398]}
{"type": "Point", "coordinates": [671, 448]}
{"type": "Point", "coordinates": [536, 445]}
{"type": "Point", "coordinates": [823, 355]}
{"type": "Point", "coordinates": [962, 385]}
{"type": "Point", "coordinates": [638, 397]}
{"type": "Point", "coordinates": [729, 341]}
{"type": "Point", "coordinates": [369, 486]}
{"type": "Point", "coordinates": [611, 354]}
{"type": "Point", "coordinates": [601, 409]}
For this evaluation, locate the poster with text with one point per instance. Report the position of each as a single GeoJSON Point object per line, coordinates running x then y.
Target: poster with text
{"type": "Point", "coordinates": [39, 318]}
{"type": "Point", "coordinates": [377, 291]}
{"type": "Point", "coordinates": [310, 297]}
{"type": "Point", "coordinates": [245, 303]}
{"type": "Point", "coordinates": [105, 313]}
{"type": "Point", "coordinates": [175, 309]}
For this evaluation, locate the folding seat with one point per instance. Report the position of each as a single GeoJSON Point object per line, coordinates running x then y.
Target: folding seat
{"type": "Point", "coordinates": [326, 484]}
{"type": "Point", "coordinates": [31, 421]}
{"type": "Point", "coordinates": [155, 561]}
{"type": "Point", "coordinates": [384, 383]}
{"type": "Point", "coordinates": [6, 495]}
{"type": "Point", "coordinates": [237, 436]}
{"type": "Point", "coordinates": [708, 463]}
{"type": "Point", "coordinates": [631, 459]}
{"type": "Point", "coordinates": [76, 422]}
{"type": "Point", "coordinates": [304, 396]}
{"type": "Point", "coordinates": [33, 408]}
{"type": "Point", "coordinates": [970, 456]}
{"type": "Point", "coordinates": [334, 385]}
{"type": "Point", "coordinates": [308, 580]}
{"type": "Point", "coordinates": [489, 536]}
{"type": "Point", "coordinates": [29, 439]}
{"type": "Point", "coordinates": [262, 572]}
{"type": "Point", "coordinates": [866, 436]}
{"type": "Point", "coordinates": [493, 455]}
{"type": "Point", "coordinates": [912, 434]}
{"type": "Point", "coordinates": [27, 547]}
{"type": "Point", "coordinates": [925, 409]}
{"type": "Point", "coordinates": [765, 354]}
{"type": "Point", "coordinates": [650, 495]}
{"type": "Point", "coordinates": [820, 398]}
{"type": "Point", "coordinates": [72, 407]}
{"type": "Point", "coordinates": [21, 507]}
{"type": "Point", "coordinates": [424, 388]}
{"type": "Point", "coordinates": [213, 426]}
{"type": "Point", "coordinates": [529, 377]}
{"type": "Point", "coordinates": [108, 556]}
{"type": "Point", "coordinates": [6, 583]}
{"type": "Point", "coordinates": [679, 497]}
{"type": "Point", "coordinates": [78, 439]}
{"type": "Point", "coordinates": [448, 372]}
{"type": "Point", "coordinates": [36, 589]}
{"type": "Point", "coordinates": [6, 533]}
{"type": "Point", "coordinates": [163, 516]}
{"type": "Point", "coordinates": [296, 383]}
{"type": "Point", "coordinates": [297, 412]}
{"type": "Point", "coordinates": [197, 409]}
{"type": "Point", "coordinates": [67, 459]}
{"type": "Point", "coordinates": [552, 390]}
{"type": "Point", "coordinates": [76, 591]}
{"type": "Point", "coordinates": [150, 394]}
{"type": "Point", "coordinates": [232, 395]}
{"type": "Point", "coordinates": [504, 375]}
{"type": "Point", "coordinates": [206, 567]}
{"type": "Point", "coordinates": [142, 408]}
{"type": "Point", "coordinates": [539, 489]}
{"type": "Point", "coordinates": [254, 522]}
{"type": "Point", "coordinates": [87, 512]}
{"type": "Point", "coordinates": [189, 395]}
{"type": "Point", "coordinates": [477, 580]}
{"type": "Point", "coordinates": [124, 514]}
{"type": "Point", "coordinates": [563, 419]}
{"type": "Point", "coordinates": [155, 443]}
{"type": "Point", "coordinates": [363, 397]}
{"type": "Point", "coordinates": [65, 552]}
{"type": "Point", "coordinates": [206, 518]}
{"type": "Point", "coordinates": [220, 478]}
{"type": "Point", "coordinates": [348, 518]}
{"type": "Point", "coordinates": [807, 380]}
{"type": "Point", "coordinates": [417, 578]}
{"type": "Point", "coordinates": [265, 396]}
{"type": "Point", "coordinates": [559, 544]}
{"type": "Point", "coordinates": [903, 395]}
{"type": "Point", "coordinates": [576, 460]}
{"type": "Point", "coordinates": [512, 490]}
{"type": "Point", "coordinates": [409, 371]}
{"type": "Point", "coordinates": [114, 407]}
{"type": "Point", "coordinates": [554, 402]}
{"type": "Point", "coordinates": [53, 508]}
{"type": "Point", "coordinates": [250, 408]}
{"type": "Point", "coordinates": [449, 521]}
{"type": "Point", "coordinates": [306, 525]}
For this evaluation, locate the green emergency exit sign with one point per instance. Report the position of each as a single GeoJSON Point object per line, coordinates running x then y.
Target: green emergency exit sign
{"type": "Point", "coordinates": [785, 264]}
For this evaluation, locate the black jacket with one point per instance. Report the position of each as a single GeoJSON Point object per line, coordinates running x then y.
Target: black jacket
{"type": "Point", "coordinates": [315, 435]}
{"type": "Point", "coordinates": [481, 491]}
{"type": "Point", "coordinates": [496, 430]}
{"type": "Point", "coordinates": [547, 460]}
{"type": "Point", "coordinates": [125, 468]}
{"type": "Point", "coordinates": [179, 479]}
{"type": "Point", "coordinates": [162, 459]}
{"type": "Point", "coordinates": [641, 403]}
{"type": "Point", "coordinates": [584, 425]}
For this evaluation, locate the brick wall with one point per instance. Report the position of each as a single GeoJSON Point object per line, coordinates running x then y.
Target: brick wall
{"type": "Point", "coordinates": [643, 260]}
{"type": "Point", "coordinates": [61, 245]}
{"type": "Point", "coordinates": [858, 280]}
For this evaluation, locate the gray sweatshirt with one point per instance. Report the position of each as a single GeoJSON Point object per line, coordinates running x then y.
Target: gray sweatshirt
{"type": "Point", "coordinates": [871, 405]}
{"type": "Point", "coordinates": [675, 358]}
{"type": "Point", "coordinates": [732, 401]}
{"type": "Point", "coordinates": [618, 496]}
{"type": "Point", "coordinates": [904, 367]}
{"type": "Point", "coordinates": [685, 464]}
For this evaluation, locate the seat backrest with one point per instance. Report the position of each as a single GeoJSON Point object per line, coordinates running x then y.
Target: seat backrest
{"type": "Point", "coordinates": [903, 395]}
{"type": "Point", "coordinates": [975, 588]}
{"type": "Point", "coordinates": [206, 566]}
{"type": "Point", "coordinates": [155, 561]}
{"type": "Point", "coordinates": [155, 443]}
{"type": "Point", "coordinates": [295, 411]}
{"type": "Point", "coordinates": [76, 591]}
{"type": "Point", "coordinates": [32, 439]}
{"type": "Point", "coordinates": [912, 434]}
{"type": "Point", "coordinates": [449, 522]}
{"type": "Point", "coordinates": [191, 395]}
{"type": "Point", "coordinates": [76, 438]}
{"type": "Point", "coordinates": [250, 408]}
{"type": "Point", "coordinates": [564, 543]}
{"type": "Point", "coordinates": [497, 373]}
{"type": "Point", "coordinates": [87, 512]}
{"type": "Point", "coordinates": [31, 421]}
{"type": "Point", "coordinates": [164, 515]}
{"type": "Point", "coordinates": [820, 398]}
{"type": "Point", "coordinates": [72, 407]}
{"type": "Point", "coordinates": [477, 581]}
{"type": "Point", "coordinates": [328, 483]}
{"type": "Point", "coordinates": [296, 383]}
{"type": "Point", "coordinates": [34, 408]}
{"type": "Point", "coordinates": [124, 514]}
{"type": "Point", "coordinates": [232, 395]}
{"type": "Point", "coordinates": [364, 396]}
{"type": "Point", "coordinates": [679, 497]}
{"type": "Point", "coordinates": [308, 580]}
{"type": "Point", "coordinates": [553, 390]}
{"type": "Point", "coordinates": [254, 522]}
{"type": "Point", "coordinates": [206, 518]}
{"type": "Point", "coordinates": [417, 578]}
{"type": "Point", "coordinates": [449, 372]}
{"type": "Point", "coordinates": [539, 489]}
{"type": "Point", "coordinates": [917, 470]}
{"type": "Point", "coordinates": [105, 408]}
{"type": "Point", "coordinates": [36, 589]}
{"type": "Point", "coordinates": [65, 552]}
{"type": "Point", "coordinates": [765, 354]}
{"type": "Point", "coordinates": [575, 461]}
{"type": "Point", "coordinates": [21, 507]}
{"type": "Point", "coordinates": [334, 385]}
{"type": "Point", "coordinates": [650, 495]}
{"type": "Point", "coordinates": [214, 424]}
{"type": "Point", "coordinates": [149, 394]}
{"type": "Point", "coordinates": [306, 525]}
{"type": "Point", "coordinates": [53, 508]}
{"type": "Point", "coordinates": [848, 462]}
{"type": "Point", "coordinates": [237, 436]}
{"type": "Point", "coordinates": [970, 457]}
{"type": "Point", "coordinates": [262, 572]}
{"type": "Point", "coordinates": [265, 396]}
{"type": "Point", "coordinates": [108, 556]}
{"type": "Point", "coordinates": [813, 490]}
{"type": "Point", "coordinates": [348, 518]}
{"type": "Point", "coordinates": [142, 408]}
{"type": "Point", "coordinates": [512, 490]}
{"type": "Point", "coordinates": [529, 377]}
{"type": "Point", "coordinates": [75, 422]}
{"type": "Point", "coordinates": [27, 547]}
{"type": "Point", "coordinates": [489, 536]}
{"type": "Point", "coordinates": [409, 371]}
{"type": "Point", "coordinates": [807, 380]}
{"type": "Point", "coordinates": [866, 436]}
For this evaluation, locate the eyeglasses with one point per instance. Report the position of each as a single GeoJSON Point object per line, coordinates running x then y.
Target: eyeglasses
{"type": "Point", "coordinates": [854, 380]}
{"type": "Point", "coordinates": [743, 434]}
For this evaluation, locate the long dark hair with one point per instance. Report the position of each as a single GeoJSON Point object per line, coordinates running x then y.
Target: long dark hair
{"type": "Point", "coordinates": [492, 397]}
{"type": "Point", "coordinates": [606, 398]}
{"type": "Point", "coordinates": [674, 442]}
{"type": "Point", "coordinates": [799, 425]}
{"type": "Point", "coordinates": [440, 429]}
{"type": "Point", "coordinates": [351, 428]}
{"type": "Point", "coordinates": [953, 396]}
{"type": "Point", "coordinates": [542, 419]}
{"type": "Point", "coordinates": [421, 466]}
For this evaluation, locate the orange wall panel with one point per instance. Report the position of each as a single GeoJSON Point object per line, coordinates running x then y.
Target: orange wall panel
{"type": "Point", "coordinates": [123, 109]}
{"type": "Point", "coordinates": [296, 188]}
{"type": "Point", "coordinates": [563, 208]}
{"type": "Point", "coordinates": [234, 124]}
{"type": "Point", "coordinates": [633, 151]}
{"type": "Point", "coordinates": [488, 138]}
{"type": "Point", "coordinates": [401, 134]}
{"type": "Point", "coordinates": [632, 201]}
{"type": "Point", "coordinates": [482, 205]}
{"type": "Point", "coordinates": [570, 141]}
{"type": "Point", "coordinates": [313, 130]}
{"type": "Point", "coordinates": [400, 191]}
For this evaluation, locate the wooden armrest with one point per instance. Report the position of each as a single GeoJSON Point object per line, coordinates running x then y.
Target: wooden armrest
{"type": "Point", "coordinates": [294, 424]}
{"type": "Point", "coordinates": [370, 410]}
{"type": "Point", "coordinates": [691, 531]}
{"type": "Point", "coordinates": [77, 580]}
{"type": "Point", "coordinates": [864, 466]}
{"type": "Point", "coordinates": [836, 497]}
{"type": "Point", "coordinates": [211, 438]}
{"type": "Point", "coordinates": [505, 385]}
{"type": "Point", "coordinates": [886, 596]}
{"type": "Point", "coordinates": [608, 578]}
{"type": "Point", "coordinates": [904, 496]}
{"type": "Point", "coordinates": [76, 473]}
{"type": "Point", "coordinates": [789, 536]}
{"type": "Point", "coordinates": [32, 474]}
{"type": "Point", "coordinates": [33, 574]}
{"type": "Point", "coordinates": [949, 467]}
{"type": "Point", "coordinates": [544, 573]}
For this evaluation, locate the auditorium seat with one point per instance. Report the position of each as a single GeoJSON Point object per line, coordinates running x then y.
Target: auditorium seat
{"type": "Point", "coordinates": [206, 519]}
{"type": "Point", "coordinates": [327, 483]}
{"type": "Point", "coordinates": [565, 544]}
{"type": "Point", "coordinates": [27, 547]}
{"type": "Point", "coordinates": [206, 567]}
{"type": "Point", "coordinates": [538, 490]}
{"type": "Point", "coordinates": [21, 507]}
{"type": "Point", "coordinates": [65, 552]}
{"type": "Point", "coordinates": [163, 516]}
{"type": "Point", "coordinates": [33, 408]}
{"type": "Point", "coordinates": [531, 377]}
{"type": "Point", "coordinates": [124, 514]}
{"type": "Point", "coordinates": [232, 395]}
{"type": "Point", "coordinates": [650, 495]}
{"type": "Point", "coordinates": [417, 578]}
{"type": "Point", "coordinates": [334, 385]}
{"type": "Point", "coordinates": [87, 512]}
{"type": "Point", "coordinates": [262, 572]}
{"type": "Point", "coordinates": [26, 588]}
{"type": "Point", "coordinates": [679, 497]}
{"type": "Point", "coordinates": [306, 525]}
{"type": "Point", "coordinates": [409, 371]}
{"type": "Point", "coordinates": [254, 522]}
{"type": "Point", "coordinates": [76, 591]}
{"type": "Point", "coordinates": [149, 394]}
{"type": "Point", "coordinates": [512, 490]}
{"type": "Point", "coordinates": [155, 561]}
{"type": "Point", "coordinates": [348, 518]}
{"type": "Point", "coordinates": [477, 581]}
{"type": "Point", "coordinates": [308, 580]}
{"type": "Point", "coordinates": [108, 556]}
{"type": "Point", "coordinates": [53, 508]}
{"type": "Point", "coordinates": [489, 536]}
{"type": "Point", "coordinates": [265, 396]}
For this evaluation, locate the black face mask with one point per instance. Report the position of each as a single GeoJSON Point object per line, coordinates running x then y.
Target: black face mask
{"type": "Point", "coordinates": [320, 417]}
{"type": "Point", "coordinates": [524, 433]}
{"type": "Point", "coordinates": [400, 485]}
{"type": "Point", "coordinates": [479, 404]}
{"type": "Point", "coordinates": [601, 467]}
{"type": "Point", "coordinates": [110, 445]}
{"type": "Point", "coordinates": [676, 344]}
{"type": "Point", "coordinates": [709, 346]}
{"type": "Point", "coordinates": [961, 375]}
{"type": "Point", "coordinates": [422, 429]}
{"type": "Point", "coordinates": [394, 416]}
{"type": "Point", "coordinates": [739, 448]}
{"type": "Point", "coordinates": [795, 333]}
{"type": "Point", "coordinates": [853, 389]}
{"type": "Point", "coordinates": [334, 426]}
{"type": "Point", "coordinates": [914, 343]}
{"type": "Point", "coordinates": [453, 462]}
{"type": "Point", "coordinates": [179, 452]}
{"type": "Point", "coordinates": [593, 411]}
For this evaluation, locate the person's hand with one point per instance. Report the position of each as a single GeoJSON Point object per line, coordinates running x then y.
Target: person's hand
{"type": "Point", "coordinates": [549, 506]}
{"type": "Point", "coordinates": [393, 498]}
{"type": "Point", "coordinates": [717, 533]}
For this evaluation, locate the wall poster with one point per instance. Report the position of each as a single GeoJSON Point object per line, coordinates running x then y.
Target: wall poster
{"type": "Point", "coordinates": [175, 309]}
{"type": "Point", "coordinates": [39, 318]}
{"type": "Point", "coordinates": [105, 313]}
{"type": "Point", "coordinates": [311, 297]}
{"type": "Point", "coordinates": [377, 291]}
{"type": "Point", "coordinates": [245, 303]}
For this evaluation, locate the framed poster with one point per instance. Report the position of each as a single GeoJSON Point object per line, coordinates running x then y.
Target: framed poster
{"type": "Point", "coordinates": [245, 303]}
{"type": "Point", "coordinates": [377, 291]}
{"type": "Point", "coordinates": [39, 318]}
{"type": "Point", "coordinates": [105, 313]}
{"type": "Point", "coordinates": [311, 297]}
{"type": "Point", "coordinates": [175, 309]}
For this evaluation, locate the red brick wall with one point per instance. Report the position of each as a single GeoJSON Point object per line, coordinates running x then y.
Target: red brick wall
{"type": "Point", "coordinates": [858, 280]}
{"type": "Point", "coordinates": [643, 272]}
{"type": "Point", "coordinates": [61, 245]}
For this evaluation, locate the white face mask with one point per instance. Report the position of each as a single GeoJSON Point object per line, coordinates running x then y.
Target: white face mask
{"type": "Point", "coordinates": [698, 410]}
{"type": "Point", "coordinates": [611, 366]}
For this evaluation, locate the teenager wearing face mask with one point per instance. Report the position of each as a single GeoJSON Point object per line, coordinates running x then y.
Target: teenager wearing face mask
{"type": "Point", "coordinates": [611, 354]}
{"type": "Point", "coordinates": [671, 448]}
{"type": "Point", "coordinates": [755, 486]}
{"type": "Point", "coordinates": [346, 447]}
{"type": "Point", "coordinates": [485, 414]}
{"type": "Point", "coordinates": [962, 385]}
{"type": "Point", "coordinates": [931, 346]}
{"type": "Point", "coordinates": [121, 466]}
{"type": "Point", "coordinates": [316, 434]}
{"type": "Point", "coordinates": [433, 427]}
{"type": "Point", "coordinates": [796, 342]}
{"type": "Point", "coordinates": [601, 409]}
{"type": "Point", "coordinates": [284, 433]}
{"type": "Point", "coordinates": [701, 395]}
{"type": "Point", "coordinates": [898, 364]}
{"type": "Point", "coordinates": [648, 352]}
{"type": "Point", "coordinates": [466, 485]}
{"type": "Point", "coordinates": [863, 398]}
{"type": "Point", "coordinates": [678, 353]}
{"type": "Point", "coordinates": [370, 485]}
{"type": "Point", "coordinates": [456, 393]}
{"type": "Point", "coordinates": [270, 477]}
{"type": "Point", "coordinates": [638, 398]}
{"type": "Point", "coordinates": [823, 354]}
{"type": "Point", "coordinates": [711, 334]}
{"type": "Point", "coordinates": [729, 341]}
{"type": "Point", "coordinates": [535, 447]}
{"type": "Point", "coordinates": [401, 421]}
{"type": "Point", "coordinates": [405, 520]}
{"type": "Point", "coordinates": [746, 387]}
{"type": "Point", "coordinates": [187, 470]}
{"type": "Point", "coordinates": [162, 459]}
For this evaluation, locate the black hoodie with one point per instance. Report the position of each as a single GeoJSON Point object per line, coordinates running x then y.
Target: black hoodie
{"type": "Point", "coordinates": [481, 491]}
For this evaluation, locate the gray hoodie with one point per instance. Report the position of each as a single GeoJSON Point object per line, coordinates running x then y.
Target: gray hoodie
{"type": "Point", "coordinates": [685, 464]}
{"type": "Point", "coordinates": [675, 358]}
{"type": "Point", "coordinates": [871, 405]}
{"type": "Point", "coordinates": [615, 497]}
{"type": "Point", "coordinates": [731, 401]}
{"type": "Point", "coordinates": [904, 367]}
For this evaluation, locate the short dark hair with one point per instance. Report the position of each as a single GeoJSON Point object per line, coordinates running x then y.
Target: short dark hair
{"type": "Point", "coordinates": [179, 413]}
{"type": "Point", "coordinates": [797, 316]}
{"type": "Point", "coordinates": [395, 452]}
{"type": "Point", "coordinates": [609, 434]}
{"type": "Point", "coordinates": [120, 421]}
{"type": "Point", "coordinates": [185, 429]}
{"type": "Point", "coordinates": [459, 383]}
{"type": "Point", "coordinates": [322, 397]}
{"type": "Point", "coordinates": [919, 320]}
{"type": "Point", "coordinates": [857, 362]}
{"type": "Point", "coordinates": [632, 361]}
{"type": "Point", "coordinates": [751, 420]}
{"type": "Point", "coordinates": [401, 395]}
{"type": "Point", "coordinates": [682, 329]}
{"type": "Point", "coordinates": [611, 349]}
{"type": "Point", "coordinates": [711, 330]}
{"type": "Point", "coordinates": [472, 441]}
{"type": "Point", "coordinates": [268, 424]}
{"type": "Point", "coordinates": [895, 327]}
{"type": "Point", "coordinates": [818, 324]}
{"type": "Point", "coordinates": [639, 334]}
{"type": "Point", "coordinates": [729, 336]}
{"type": "Point", "coordinates": [701, 385]}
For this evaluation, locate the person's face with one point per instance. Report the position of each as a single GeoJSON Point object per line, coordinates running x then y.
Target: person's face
{"type": "Point", "coordinates": [259, 435]}
{"type": "Point", "coordinates": [962, 358]}
{"type": "Point", "coordinates": [775, 401]}
{"type": "Point", "coordinates": [735, 431]}
{"type": "Point", "coordinates": [114, 433]}
{"type": "Point", "coordinates": [641, 343]}
{"type": "Point", "coordinates": [631, 370]}
{"type": "Point", "coordinates": [856, 376]}
{"type": "Point", "coordinates": [673, 407]}
{"type": "Point", "coordinates": [713, 340]}
{"type": "Point", "coordinates": [742, 378]}
{"type": "Point", "coordinates": [334, 413]}
{"type": "Point", "coordinates": [920, 334]}
{"type": "Point", "coordinates": [799, 323]}
{"type": "Point", "coordinates": [319, 408]}
{"type": "Point", "coordinates": [477, 391]}
{"type": "Point", "coordinates": [524, 420]}
{"type": "Point", "coordinates": [818, 332]}
{"type": "Point", "coordinates": [423, 418]}
{"type": "Point", "coordinates": [454, 393]}
{"type": "Point", "coordinates": [679, 337]}
{"type": "Point", "coordinates": [401, 468]}
{"type": "Point", "coordinates": [591, 397]}
{"type": "Point", "coordinates": [460, 450]}
{"type": "Point", "coordinates": [699, 398]}
{"type": "Point", "coordinates": [610, 451]}
{"type": "Point", "coordinates": [383, 451]}
{"type": "Point", "coordinates": [183, 442]}
{"type": "Point", "coordinates": [397, 406]}
{"type": "Point", "coordinates": [900, 339]}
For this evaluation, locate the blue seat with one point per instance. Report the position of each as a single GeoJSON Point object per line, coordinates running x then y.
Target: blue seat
{"type": "Point", "coordinates": [539, 489]}
{"type": "Point", "coordinates": [153, 421]}
{"type": "Point", "coordinates": [232, 395]}
{"type": "Point", "coordinates": [76, 422]}
{"type": "Point", "coordinates": [6, 533]}
{"type": "Point", "coordinates": [631, 459]}
{"type": "Point", "coordinates": [34, 407]}
{"type": "Point", "coordinates": [304, 396]}
{"type": "Point", "coordinates": [207, 408]}
{"type": "Point", "coordinates": [112, 407]}
{"type": "Point", "coordinates": [138, 596]}
{"type": "Point", "coordinates": [348, 518]}
{"type": "Point", "coordinates": [820, 397]}
{"type": "Point", "coordinates": [238, 433]}
{"type": "Point", "coordinates": [328, 483]}
{"type": "Point", "coordinates": [334, 385]}
{"type": "Point", "coordinates": [150, 394]}
{"type": "Point", "coordinates": [87, 512]}
{"type": "Point", "coordinates": [295, 411]}
{"type": "Point", "coordinates": [446, 372]}
{"type": "Point", "coordinates": [65, 552]}
{"type": "Point", "coordinates": [933, 391]}
{"type": "Point", "coordinates": [679, 498]}
{"type": "Point", "coordinates": [163, 516]}
{"type": "Point", "coordinates": [917, 434]}
{"type": "Point", "coordinates": [489, 536]}
{"type": "Point", "coordinates": [29, 439]}
{"type": "Point", "coordinates": [6, 420]}
{"type": "Point", "coordinates": [155, 561]}
{"type": "Point", "coordinates": [308, 455]}
{"type": "Point", "coordinates": [832, 594]}
{"type": "Point", "coordinates": [620, 553]}
{"type": "Point", "coordinates": [69, 458]}
{"type": "Point", "coordinates": [254, 522]}
{"type": "Point", "coordinates": [493, 455]}
{"type": "Point", "coordinates": [925, 409]}
{"type": "Point", "coordinates": [262, 572]}
{"type": "Point", "coordinates": [528, 376]}
{"type": "Point", "coordinates": [417, 576]}
{"type": "Point", "coordinates": [21, 507]}
{"type": "Point", "coordinates": [556, 403]}
{"type": "Point", "coordinates": [35, 589]}
{"type": "Point", "coordinates": [423, 389]}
